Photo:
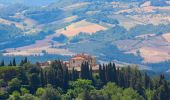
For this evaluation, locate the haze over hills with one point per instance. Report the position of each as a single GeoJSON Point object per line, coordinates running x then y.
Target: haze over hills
{"type": "Point", "coordinates": [135, 31]}
{"type": "Point", "coordinates": [28, 2]}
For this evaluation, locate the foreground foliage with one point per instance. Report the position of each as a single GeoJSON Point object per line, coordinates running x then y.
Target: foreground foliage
{"type": "Point", "coordinates": [30, 82]}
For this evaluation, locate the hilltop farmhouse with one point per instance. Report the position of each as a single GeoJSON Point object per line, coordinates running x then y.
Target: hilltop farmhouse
{"type": "Point", "coordinates": [75, 62]}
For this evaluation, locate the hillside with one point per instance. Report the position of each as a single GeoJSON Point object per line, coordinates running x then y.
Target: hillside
{"type": "Point", "coordinates": [109, 29]}
{"type": "Point", "coordinates": [30, 2]}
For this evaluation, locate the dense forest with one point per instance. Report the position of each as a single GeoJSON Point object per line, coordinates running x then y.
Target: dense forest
{"type": "Point", "coordinates": [26, 81]}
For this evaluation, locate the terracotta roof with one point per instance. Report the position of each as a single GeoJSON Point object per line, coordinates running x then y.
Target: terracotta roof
{"type": "Point", "coordinates": [78, 58]}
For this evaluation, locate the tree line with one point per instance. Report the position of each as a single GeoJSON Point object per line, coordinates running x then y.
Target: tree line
{"type": "Point", "coordinates": [27, 81]}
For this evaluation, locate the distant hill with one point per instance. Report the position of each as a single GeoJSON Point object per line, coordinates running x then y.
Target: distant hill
{"type": "Point", "coordinates": [109, 29]}
{"type": "Point", "coordinates": [29, 2]}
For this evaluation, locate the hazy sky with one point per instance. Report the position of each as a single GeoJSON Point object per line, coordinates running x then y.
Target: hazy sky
{"type": "Point", "coordinates": [29, 2]}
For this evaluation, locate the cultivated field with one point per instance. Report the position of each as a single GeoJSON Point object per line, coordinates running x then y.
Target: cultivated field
{"type": "Point", "coordinates": [167, 37]}
{"type": "Point", "coordinates": [152, 49]}
{"type": "Point", "coordinates": [81, 26]}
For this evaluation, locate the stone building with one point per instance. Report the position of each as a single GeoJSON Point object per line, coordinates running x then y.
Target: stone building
{"type": "Point", "coordinates": [77, 60]}
{"type": "Point", "coordinates": [74, 62]}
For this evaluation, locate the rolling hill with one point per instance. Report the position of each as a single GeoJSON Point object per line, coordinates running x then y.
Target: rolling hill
{"type": "Point", "coordinates": [30, 2]}
{"type": "Point", "coordinates": [109, 29]}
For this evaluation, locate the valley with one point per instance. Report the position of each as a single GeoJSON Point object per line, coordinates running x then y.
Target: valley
{"type": "Point", "coordinates": [110, 30]}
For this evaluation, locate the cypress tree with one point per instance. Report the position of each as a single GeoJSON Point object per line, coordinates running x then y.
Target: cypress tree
{"type": "Point", "coordinates": [121, 79]}
{"type": "Point", "coordinates": [14, 62]}
{"type": "Point", "coordinates": [25, 60]}
{"type": "Point", "coordinates": [2, 63]}
{"type": "Point", "coordinates": [161, 79]}
{"type": "Point", "coordinates": [91, 73]}
{"type": "Point", "coordinates": [42, 78]}
{"type": "Point", "coordinates": [166, 91]}
{"type": "Point", "coordinates": [10, 63]}
{"type": "Point", "coordinates": [45, 77]}
{"type": "Point", "coordinates": [162, 92]}
{"type": "Point", "coordinates": [100, 73]}
{"type": "Point", "coordinates": [22, 76]}
{"type": "Point", "coordinates": [147, 82]}
{"type": "Point", "coordinates": [66, 78]}
{"type": "Point", "coordinates": [34, 82]}
{"type": "Point", "coordinates": [56, 74]}
{"type": "Point", "coordinates": [128, 76]}
{"type": "Point", "coordinates": [21, 63]}
{"type": "Point", "coordinates": [59, 73]}
{"type": "Point", "coordinates": [73, 78]}
{"type": "Point", "coordinates": [104, 74]}
{"type": "Point", "coordinates": [85, 71]}
{"type": "Point", "coordinates": [110, 72]}
{"type": "Point", "coordinates": [52, 74]}
{"type": "Point", "coordinates": [75, 74]}
{"type": "Point", "coordinates": [115, 73]}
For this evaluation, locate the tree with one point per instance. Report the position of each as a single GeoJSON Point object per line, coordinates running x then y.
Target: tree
{"type": "Point", "coordinates": [147, 81]}
{"type": "Point", "coordinates": [104, 74]}
{"type": "Point", "coordinates": [2, 63]}
{"type": "Point", "coordinates": [85, 95]}
{"type": "Point", "coordinates": [108, 73]}
{"type": "Point", "coordinates": [3, 94]}
{"type": "Point", "coordinates": [2, 83]}
{"type": "Point", "coordinates": [10, 63]}
{"type": "Point", "coordinates": [91, 73]}
{"type": "Point", "coordinates": [130, 94]}
{"type": "Point", "coordinates": [40, 92]}
{"type": "Point", "coordinates": [100, 72]}
{"type": "Point", "coordinates": [42, 78]}
{"type": "Point", "coordinates": [111, 72]}
{"type": "Point", "coordinates": [51, 94]}
{"type": "Point", "coordinates": [7, 73]}
{"type": "Point", "coordinates": [79, 86]}
{"type": "Point", "coordinates": [162, 93]}
{"type": "Point", "coordinates": [82, 83]}
{"type": "Point", "coordinates": [149, 93]}
{"type": "Point", "coordinates": [21, 63]}
{"type": "Point", "coordinates": [14, 62]}
{"type": "Point", "coordinates": [15, 96]}
{"type": "Point", "coordinates": [22, 76]}
{"type": "Point", "coordinates": [34, 82]}
{"type": "Point", "coordinates": [14, 85]}
{"type": "Point", "coordinates": [57, 74]}
{"type": "Point", "coordinates": [24, 91]}
{"type": "Point", "coordinates": [25, 60]}
{"type": "Point", "coordinates": [74, 74]}
{"type": "Point", "coordinates": [66, 78]}
{"type": "Point", "coordinates": [28, 97]}
{"type": "Point", "coordinates": [85, 71]}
